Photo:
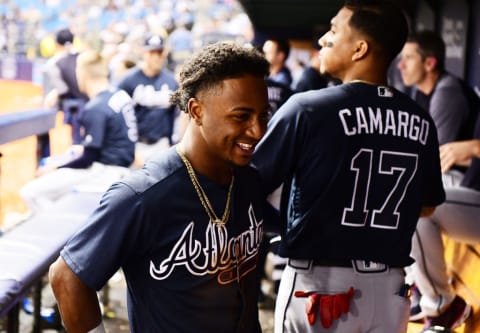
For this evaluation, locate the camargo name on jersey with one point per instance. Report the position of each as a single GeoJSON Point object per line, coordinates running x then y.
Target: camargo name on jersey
{"type": "Point", "coordinates": [386, 122]}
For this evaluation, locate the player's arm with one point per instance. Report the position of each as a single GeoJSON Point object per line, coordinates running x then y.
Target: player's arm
{"type": "Point", "coordinates": [427, 211]}
{"type": "Point", "coordinates": [89, 155]}
{"type": "Point", "coordinates": [77, 302]}
{"type": "Point", "coordinates": [275, 156]}
{"type": "Point", "coordinates": [458, 153]}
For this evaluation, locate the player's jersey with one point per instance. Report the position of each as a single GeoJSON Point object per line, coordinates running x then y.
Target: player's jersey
{"type": "Point", "coordinates": [109, 124]}
{"type": "Point", "coordinates": [181, 270]}
{"type": "Point", "coordinates": [278, 93]}
{"type": "Point", "coordinates": [284, 76]}
{"type": "Point", "coordinates": [363, 160]}
{"type": "Point", "coordinates": [155, 114]}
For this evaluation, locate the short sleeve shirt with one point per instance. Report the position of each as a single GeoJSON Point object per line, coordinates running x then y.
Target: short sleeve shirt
{"type": "Point", "coordinates": [362, 160]}
{"type": "Point", "coordinates": [184, 274]}
{"type": "Point", "coordinates": [108, 124]}
{"type": "Point", "coordinates": [155, 115]}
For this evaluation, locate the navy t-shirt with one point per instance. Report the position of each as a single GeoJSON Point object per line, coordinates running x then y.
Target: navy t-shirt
{"type": "Point", "coordinates": [155, 116]}
{"type": "Point", "coordinates": [362, 161]}
{"type": "Point", "coordinates": [278, 93]}
{"type": "Point", "coordinates": [108, 124]}
{"type": "Point", "coordinates": [184, 274]}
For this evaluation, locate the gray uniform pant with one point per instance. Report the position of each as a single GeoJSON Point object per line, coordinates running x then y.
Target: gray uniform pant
{"type": "Point", "coordinates": [457, 218]}
{"type": "Point", "coordinates": [42, 192]}
{"type": "Point", "coordinates": [377, 305]}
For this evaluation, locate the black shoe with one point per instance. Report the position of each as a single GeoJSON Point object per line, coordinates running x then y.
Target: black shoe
{"type": "Point", "coordinates": [454, 316]}
{"type": "Point", "coordinates": [436, 329]}
{"type": "Point", "coordinates": [416, 313]}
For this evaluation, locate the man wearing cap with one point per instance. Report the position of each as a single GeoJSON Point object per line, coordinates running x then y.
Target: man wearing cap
{"type": "Point", "coordinates": [150, 85]}
{"type": "Point", "coordinates": [62, 87]}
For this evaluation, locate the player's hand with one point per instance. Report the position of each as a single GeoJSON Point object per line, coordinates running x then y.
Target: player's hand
{"type": "Point", "coordinates": [51, 99]}
{"type": "Point", "coordinates": [457, 153]}
{"type": "Point", "coordinates": [45, 169]}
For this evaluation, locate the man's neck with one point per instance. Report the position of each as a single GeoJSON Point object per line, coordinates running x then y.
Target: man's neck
{"type": "Point", "coordinates": [149, 72]}
{"type": "Point", "coordinates": [378, 79]}
{"type": "Point", "coordinates": [96, 87]}
{"type": "Point", "coordinates": [275, 69]}
{"type": "Point", "coordinates": [202, 162]}
{"type": "Point", "coordinates": [428, 83]}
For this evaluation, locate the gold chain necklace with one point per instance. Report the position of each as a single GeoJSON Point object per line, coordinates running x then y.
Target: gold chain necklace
{"type": "Point", "coordinates": [203, 196]}
{"type": "Point", "coordinates": [363, 81]}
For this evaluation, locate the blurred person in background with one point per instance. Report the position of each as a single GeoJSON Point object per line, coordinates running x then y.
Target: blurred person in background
{"type": "Point", "coordinates": [109, 129]}
{"type": "Point", "coordinates": [279, 80]}
{"type": "Point", "coordinates": [310, 78]}
{"type": "Point", "coordinates": [276, 52]}
{"type": "Point", "coordinates": [61, 80]}
{"type": "Point", "coordinates": [62, 88]}
{"type": "Point", "coordinates": [150, 84]}
{"type": "Point", "coordinates": [444, 96]}
{"type": "Point", "coordinates": [180, 42]}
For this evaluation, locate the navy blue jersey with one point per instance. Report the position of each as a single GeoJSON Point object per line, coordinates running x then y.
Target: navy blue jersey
{"type": "Point", "coordinates": [284, 76]}
{"type": "Point", "coordinates": [278, 93]}
{"type": "Point", "coordinates": [362, 160]}
{"type": "Point", "coordinates": [108, 124]}
{"type": "Point", "coordinates": [155, 115]}
{"type": "Point", "coordinates": [311, 79]}
{"type": "Point", "coordinates": [181, 270]}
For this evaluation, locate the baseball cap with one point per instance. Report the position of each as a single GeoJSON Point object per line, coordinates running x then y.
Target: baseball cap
{"type": "Point", "coordinates": [153, 43]}
{"type": "Point", "coordinates": [64, 36]}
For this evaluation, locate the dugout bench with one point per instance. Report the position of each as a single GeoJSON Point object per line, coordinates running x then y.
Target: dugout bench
{"type": "Point", "coordinates": [20, 124]}
{"type": "Point", "coordinates": [28, 250]}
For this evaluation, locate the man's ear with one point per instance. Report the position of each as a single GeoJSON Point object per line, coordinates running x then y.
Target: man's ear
{"type": "Point", "coordinates": [195, 110]}
{"type": "Point", "coordinates": [361, 49]}
{"type": "Point", "coordinates": [430, 63]}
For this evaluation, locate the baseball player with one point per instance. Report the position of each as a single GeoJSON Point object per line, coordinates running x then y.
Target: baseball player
{"type": "Point", "coordinates": [150, 85]}
{"type": "Point", "coordinates": [109, 130]}
{"type": "Point", "coordinates": [187, 227]}
{"type": "Point", "coordinates": [363, 163]}
{"type": "Point", "coordinates": [453, 107]}
{"type": "Point", "coordinates": [276, 52]}
{"type": "Point", "coordinates": [280, 78]}
{"type": "Point", "coordinates": [456, 218]}
{"type": "Point", "coordinates": [61, 87]}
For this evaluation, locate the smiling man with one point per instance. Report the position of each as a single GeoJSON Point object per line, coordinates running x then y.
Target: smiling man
{"type": "Point", "coordinates": [187, 227]}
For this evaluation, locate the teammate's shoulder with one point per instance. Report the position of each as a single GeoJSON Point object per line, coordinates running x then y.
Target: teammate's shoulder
{"type": "Point", "coordinates": [448, 81]}
{"type": "Point", "coordinates": [129, 74]}
{"type": "Point", "coordinates": [319, 96]}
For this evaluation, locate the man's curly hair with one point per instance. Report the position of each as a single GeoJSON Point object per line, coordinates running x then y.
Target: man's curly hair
{"type": "Point", "coordinates": [213, 64]}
